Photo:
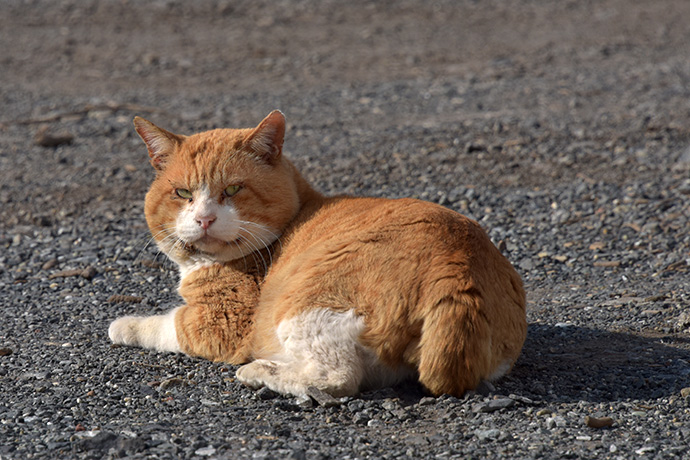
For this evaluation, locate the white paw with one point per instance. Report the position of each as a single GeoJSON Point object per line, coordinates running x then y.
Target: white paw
{"type": "Point", "coordinates": [124, 331]}
{"type": "Point", "coordinates": [156, 332]}
{"type": "Point", "coordinates": [257, 373]}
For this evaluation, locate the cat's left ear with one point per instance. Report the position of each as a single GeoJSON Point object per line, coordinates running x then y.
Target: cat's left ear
{"type": "Point", "coordinates": [160, 143]}
{"type": "Point", "coordinates": [266, 141]}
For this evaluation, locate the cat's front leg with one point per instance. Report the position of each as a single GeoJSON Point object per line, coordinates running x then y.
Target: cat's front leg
{"type": "Point", "coordinates": [155, 332]}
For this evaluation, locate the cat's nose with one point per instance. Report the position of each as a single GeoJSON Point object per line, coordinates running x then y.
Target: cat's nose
{"type": "Point", "coordinates": [205, 221]}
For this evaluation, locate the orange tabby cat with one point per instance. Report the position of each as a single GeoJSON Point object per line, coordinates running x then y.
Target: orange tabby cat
{"type": "Point", "coordinates": [335, 293]}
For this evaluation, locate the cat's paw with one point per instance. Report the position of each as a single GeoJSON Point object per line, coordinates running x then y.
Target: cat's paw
{"type": "Point", "coordinates": [124, 331]}
{"type": "Point", "coordinates": [156, 332]}
{"type": "Point", "coordinates": [255, 374]}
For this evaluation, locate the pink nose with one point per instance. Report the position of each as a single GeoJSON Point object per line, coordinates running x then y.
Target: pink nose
{"type": "Point", "coordinates": [206, 221]}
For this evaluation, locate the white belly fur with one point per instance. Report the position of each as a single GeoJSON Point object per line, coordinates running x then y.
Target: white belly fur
{"type": "Point", "coordinates": [321, 348]}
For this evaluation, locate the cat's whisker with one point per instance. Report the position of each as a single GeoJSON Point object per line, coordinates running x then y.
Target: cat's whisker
{"type": "Point", "coordinates": [166, 239]}
{"type": "Point", "coordinates": [167, 229]}
{"type": "Point", "coordinates": [261, 239]}
{"type": "Point", "coordinates": [260, 242]}
{"type": "Point", "coordinates": [265, 229]}
{"type": "Point", "coordinates": [244, 259]}
{"type": "Point", "coordinates": [158, 229]}
{"type": "Point", "coordinates": [253, 253]}
{"type": "Point", "coordinates": [256, 252]}
{"type": "Point", "coordinates": [170, 243]}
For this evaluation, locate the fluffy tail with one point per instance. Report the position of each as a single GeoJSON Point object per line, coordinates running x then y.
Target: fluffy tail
{"type": "Point", "coordinates": [471, 331]}
{"type": "Point", "coordinates": [455, 346]}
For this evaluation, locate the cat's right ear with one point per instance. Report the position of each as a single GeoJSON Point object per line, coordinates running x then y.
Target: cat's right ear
{"type": "Point", "coordinates": [266, 140]}
{"type": "Point", "coordinates": [160, 143]}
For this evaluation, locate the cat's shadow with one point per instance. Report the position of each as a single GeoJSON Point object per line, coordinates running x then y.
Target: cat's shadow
{"type": "Point", "coordinates": [571, 364]}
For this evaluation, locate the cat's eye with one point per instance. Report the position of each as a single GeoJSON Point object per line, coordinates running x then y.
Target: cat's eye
{"type": "Point", "coordinates": [230, 190]}
{"type": "Point", "coordinates": [184, 193]}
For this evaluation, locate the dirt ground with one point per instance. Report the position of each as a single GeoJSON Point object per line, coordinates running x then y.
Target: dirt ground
{"type": "Point", "coordinates": [562, 126]}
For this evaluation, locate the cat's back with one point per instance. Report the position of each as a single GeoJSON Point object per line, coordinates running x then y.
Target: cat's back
{"type": "Point", "coordinates": [353, 244]}
{"type": "Point", "coordinates": [392, 224]}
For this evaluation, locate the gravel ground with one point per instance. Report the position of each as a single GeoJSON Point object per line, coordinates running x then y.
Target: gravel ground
{"type": "Point", "coordinates": [563, 127]}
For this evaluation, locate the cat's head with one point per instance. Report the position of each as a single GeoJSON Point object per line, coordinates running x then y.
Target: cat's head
{"type": "Point", "coordinates": [218, 195]}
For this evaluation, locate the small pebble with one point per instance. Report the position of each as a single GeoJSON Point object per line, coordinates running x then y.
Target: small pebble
{"type": "Point", "coordinates": [427, 401]}
{"type": "Point", "coordinates": [266, 393]}
{"type": "Point", "coordinates": [305, 403]}
{"type": "Point", "coordinates": [483, 435]}
{"type": "Point", "coordinates": [46, 139]}
{"type": "Point", "coordinates": [494, 405]}
{"type": "Point", "coordinates": [171, 382]}
{"type": "Point", "coordinates": [323, 398]}
{"type": "Point", "coordinates": [598, 422]}
{"type": "Point", "coordinates": [521, 399]}
{"type": "Point", "coordinates": [556, 421]}
{"type": "Point", "coordinates": [49, 264]}
{"type": "Point", "coordinates": [89, 273]}
{"type": "Point", "coordinates": [205, 451]}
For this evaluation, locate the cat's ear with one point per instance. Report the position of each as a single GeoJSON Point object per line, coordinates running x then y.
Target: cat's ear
{"type": "Point", "coordinates": [266, 140]}
{"type": "Point", "coordinates": [160, 143]}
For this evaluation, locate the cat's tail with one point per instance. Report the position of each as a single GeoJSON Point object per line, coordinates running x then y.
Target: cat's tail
{"type": "Point", "coordinates": [459, 346]}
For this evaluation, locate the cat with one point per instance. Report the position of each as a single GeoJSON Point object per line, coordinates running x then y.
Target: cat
{"type": "Point", "coordinates": [340, 294]}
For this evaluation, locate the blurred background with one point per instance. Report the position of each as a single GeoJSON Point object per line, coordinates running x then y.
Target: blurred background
{"type": "Point", "coordinates": [491, 77]}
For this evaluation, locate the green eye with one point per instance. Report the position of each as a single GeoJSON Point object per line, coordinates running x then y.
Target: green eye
{"type": "Point", "coordinates": [230, 190]}
{"type": "Point", "coordinates": [184, 193]}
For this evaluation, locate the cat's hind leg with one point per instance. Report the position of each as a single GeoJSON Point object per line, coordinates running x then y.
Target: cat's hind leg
{"type": "Point", "coordinates": [321, 349]}
{"type": "Point", "coordinates": [155, 332]}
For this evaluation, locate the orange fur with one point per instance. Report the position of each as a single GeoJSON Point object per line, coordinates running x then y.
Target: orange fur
{"type": "Point", "coordinates": [434, 293]}
{"type": "Point", "coordinates": [216, 321]}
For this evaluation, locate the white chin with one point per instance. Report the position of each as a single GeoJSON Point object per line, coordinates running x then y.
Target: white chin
{"type": "Point", "coordinates": [222, 251]}
{"type": "Point", "coordinates": [208, 242]}
{"type": "Point", "coordinates": [212, 248]}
